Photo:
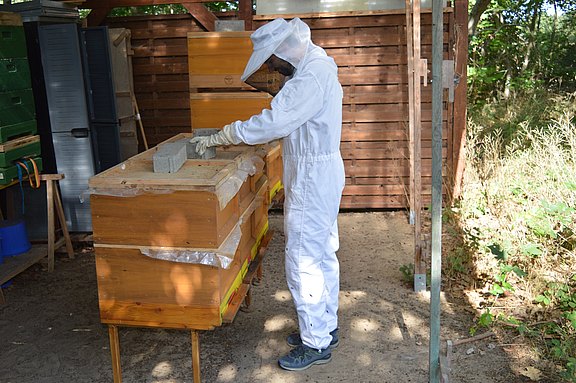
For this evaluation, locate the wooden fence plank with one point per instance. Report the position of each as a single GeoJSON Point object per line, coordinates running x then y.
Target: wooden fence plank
{"type": "Point", "coordinates": [368, 48]}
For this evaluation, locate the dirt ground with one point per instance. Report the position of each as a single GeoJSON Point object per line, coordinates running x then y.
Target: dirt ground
{"type": "Point", "coordinates": [50, 329]}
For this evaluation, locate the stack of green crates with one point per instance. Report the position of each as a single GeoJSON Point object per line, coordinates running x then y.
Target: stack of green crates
{"type": "Point", "coordinates": [18, 141]}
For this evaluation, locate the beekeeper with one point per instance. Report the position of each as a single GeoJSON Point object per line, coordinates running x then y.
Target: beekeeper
{"type": "Point", "coordinates": [307, 114]}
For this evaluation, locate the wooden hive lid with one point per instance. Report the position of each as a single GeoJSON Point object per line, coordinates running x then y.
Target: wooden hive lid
{"type": "Point", "coordinates": [205, 175]}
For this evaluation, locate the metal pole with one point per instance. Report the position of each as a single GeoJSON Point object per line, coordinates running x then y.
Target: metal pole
{"type": "Point", "coordinates": [437, 58]}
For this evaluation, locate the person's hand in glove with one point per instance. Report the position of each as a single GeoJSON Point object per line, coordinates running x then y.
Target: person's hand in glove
{"type": "Point", "coordinates": [223, 137]}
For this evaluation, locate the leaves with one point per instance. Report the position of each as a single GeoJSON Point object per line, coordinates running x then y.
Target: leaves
{"type": "Point", "coordinates": [517, 46]}
{"type": "Point", "coordinates": [532, 373]}
{"type": "Point", "coordinates": [532, 249]}
{"type": "Point", "coordinates": [543, 299]}
{"type": "Point", "coordinates": [485, 319]}
{"type": "Point", "coordinates": [571, 316]}
{"type": "Point", "coordinates": [498, 251]}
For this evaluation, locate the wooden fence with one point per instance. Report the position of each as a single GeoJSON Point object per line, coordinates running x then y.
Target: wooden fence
{"type": "Point", "coordinates": [370, 50]}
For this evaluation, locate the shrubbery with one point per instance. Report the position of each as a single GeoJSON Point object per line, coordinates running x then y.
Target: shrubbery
{"type": "Point", "coordinates": [517, 214]}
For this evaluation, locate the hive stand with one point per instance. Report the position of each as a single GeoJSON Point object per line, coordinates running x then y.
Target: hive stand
{"type": "Point", "coordinates": [254, 273]}
{"type": "Point", "coordinates": [15, 265]}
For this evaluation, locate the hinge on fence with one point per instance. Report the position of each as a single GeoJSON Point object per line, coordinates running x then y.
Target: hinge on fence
{"type": "Point", "coordinates": [419, 283]}
{"type": "Point", "coordinates": [448, 79]}
{"type": "Point", "coordinates": [424, 70]}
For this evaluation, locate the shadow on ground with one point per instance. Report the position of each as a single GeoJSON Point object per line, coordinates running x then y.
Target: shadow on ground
{"type": "Point", "coordinates": [50, 329]}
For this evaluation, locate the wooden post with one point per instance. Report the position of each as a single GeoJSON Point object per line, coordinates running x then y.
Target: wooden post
{"type": "Point", "coordinates": [459, 121]}
{"type": "Point", "coordinates": [115, 353]}
{"type": "Point", "coordinates": [245, 13]}
{"type": "Point", "coordinates": [97, 16]}
{"type": "Point", "coordinates": [410, 53]}
{"type": "Point", "coordinates": [62, 219]}
{"type": "Point", "coordinates": [419, 269]}
{"type": "Point", "coordinates": [196, 356]}
{"type": "Point", "coordinates": [51, 230]}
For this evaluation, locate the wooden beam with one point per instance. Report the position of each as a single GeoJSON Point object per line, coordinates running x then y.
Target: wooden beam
{"type": "Point", "coordinates": [459, 121]}
{"type": "Point", "coordinates": [195, 356]}
{"type": "Point", "coordinates": [202, 15]}
{"type": "Point", "coordinates": [96, 4]}
{"type": "Point", "coordinates": [97, 16]}
{"type": "Point", "coordinates": [245, 13]}
{"type": "Point", "coordinates": [410, 62]}
{"type": "Point", "coordinates": [419, 266]}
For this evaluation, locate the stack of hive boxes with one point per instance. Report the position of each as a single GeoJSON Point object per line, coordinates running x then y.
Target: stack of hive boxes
{"type": "Point", "coordinates": [218, 96]}
{"type": "Point", "coordinates": [18, 141]}
{"type": "Point", "coordinates": [173, 249]}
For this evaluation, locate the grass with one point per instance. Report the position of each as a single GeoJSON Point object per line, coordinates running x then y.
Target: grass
{"type": "Point", "coordinates": [517, 216]}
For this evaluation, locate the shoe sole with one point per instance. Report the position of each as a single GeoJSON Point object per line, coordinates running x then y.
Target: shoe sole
{"type": "Point", "coordinates": [319, 361]}
{"type": "Point", "coordinates": [332, 346]}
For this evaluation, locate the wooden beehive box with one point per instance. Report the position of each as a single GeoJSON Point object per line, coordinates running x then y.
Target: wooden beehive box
{"type": "Point", "coordinates": [273, 168]}
{"type": "Point", "coordinates": [214, 110]}
{"type": "Point", "coordinates": [217, 59]}
{"type": "Point", "coordinates": [136, 211]}
{"type": "Point", "coordinates": [218, 96]}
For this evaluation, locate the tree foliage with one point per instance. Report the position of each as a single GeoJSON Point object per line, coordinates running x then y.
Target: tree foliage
{"type": "Point", "coordinates": [521, 45]}
{"type": "Point", "coordinates": [166, 9]}
{"type": "Point", "coordinates": [169, 9]}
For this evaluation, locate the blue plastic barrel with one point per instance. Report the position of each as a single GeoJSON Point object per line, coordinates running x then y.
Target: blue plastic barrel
{"type": "Point", "coordinates": [13, 238]}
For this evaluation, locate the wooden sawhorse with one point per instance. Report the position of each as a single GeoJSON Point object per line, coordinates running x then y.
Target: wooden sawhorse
{"type": "Point", "coordinates": [54, 203]}
{"type": "Point", "coordinates": [15, 265]}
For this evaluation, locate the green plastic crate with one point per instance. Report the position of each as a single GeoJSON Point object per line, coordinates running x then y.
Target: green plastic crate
{"type": "Point", "coordinates": [31, 150]}
{"type": "Point", "coordinates": [12, 41]}
{"type": "Point", "coordinates": [16, 106]}
{"type": "Point", "coordinates": [9, 174]}
{"type": "Point", "coordinates": [14, 74]}
{"type": "Point", "coordinates": [17, 130]}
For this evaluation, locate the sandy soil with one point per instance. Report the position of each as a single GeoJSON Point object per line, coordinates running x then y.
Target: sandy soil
{"type": "Point", "coordinates": [50, 329]}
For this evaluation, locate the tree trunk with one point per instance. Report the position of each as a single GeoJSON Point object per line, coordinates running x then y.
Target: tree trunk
{"type": "Point", "coordinates": [475, 14]}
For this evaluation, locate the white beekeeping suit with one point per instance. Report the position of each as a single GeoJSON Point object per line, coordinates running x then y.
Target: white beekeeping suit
{"type": "Point", "coordinates": [307, 114]}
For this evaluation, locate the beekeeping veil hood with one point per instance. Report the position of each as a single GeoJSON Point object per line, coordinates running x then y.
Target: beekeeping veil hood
{"type": "Point", "coordinates": [287, 40]}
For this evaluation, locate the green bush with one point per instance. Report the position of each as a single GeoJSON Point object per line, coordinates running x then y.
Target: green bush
{"type": "Point", "coordinates": [518, 216]}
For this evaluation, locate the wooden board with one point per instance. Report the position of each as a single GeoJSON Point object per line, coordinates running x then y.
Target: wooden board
{"type": "Point", "coordinates": [10, 18]}
{"type": "Point", "coordinates": [18, 142]}
{"type": "Point", "coordinates": [13, 266]}
{"type": "Point", "coordinates": [120, 52]}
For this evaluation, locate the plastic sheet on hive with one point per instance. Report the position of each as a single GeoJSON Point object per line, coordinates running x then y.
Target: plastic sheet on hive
{"type": "Point", "coordinates": [221, 257]}
{"type": "Point", "coordinates": [232, 184]}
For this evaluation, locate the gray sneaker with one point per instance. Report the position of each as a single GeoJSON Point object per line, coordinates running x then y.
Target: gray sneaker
{"type": "Point", "coordinates": [303, 357]}
{"type": "Point", "coordinates": [294, 340]}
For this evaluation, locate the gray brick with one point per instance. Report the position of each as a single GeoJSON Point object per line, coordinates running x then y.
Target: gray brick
{"type": "Point", "coordinates": [169, 157]}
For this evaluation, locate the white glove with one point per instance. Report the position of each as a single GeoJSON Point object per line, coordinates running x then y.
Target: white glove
{"type": "Point", "coordinates": [223, 137]}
